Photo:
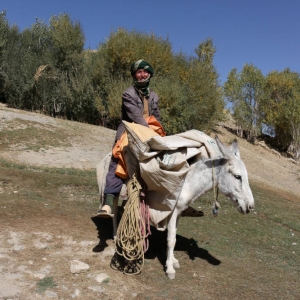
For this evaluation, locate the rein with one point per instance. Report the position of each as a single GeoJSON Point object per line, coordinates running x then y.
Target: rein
{"type": "Point", "coordinates": [216, 204]}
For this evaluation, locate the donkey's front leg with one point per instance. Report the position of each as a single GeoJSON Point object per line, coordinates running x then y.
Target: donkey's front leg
{"type": "Point", "coordinates": [171, 261]}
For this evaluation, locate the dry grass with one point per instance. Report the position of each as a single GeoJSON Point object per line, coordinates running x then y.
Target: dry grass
{"type": "Point", "coordinates": [227, 257]}
{"type": "Point", "coordinates": [27, 135]}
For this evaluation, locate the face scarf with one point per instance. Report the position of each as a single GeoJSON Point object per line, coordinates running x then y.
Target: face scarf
{"type": "Point", "coordinates": [142, 86]}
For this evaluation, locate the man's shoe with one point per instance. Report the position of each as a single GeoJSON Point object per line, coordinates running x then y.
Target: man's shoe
{"type": "Point", "coordinates": [106, 210]}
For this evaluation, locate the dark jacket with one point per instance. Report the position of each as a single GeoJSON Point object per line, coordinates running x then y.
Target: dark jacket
{"type": "Point", "coordinates": [133, 107]}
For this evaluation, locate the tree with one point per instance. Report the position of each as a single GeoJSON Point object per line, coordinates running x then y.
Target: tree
{"type": "Point", "coordinates": [4, 33]}
{"type": "Point", "coordinates": [67, 39]}
{"type": "Point", "coordinates": [71, 93]}
{"type": "Point", "coordinates": [245, 91]}
{"type": "Point", "coordinates": [205, 94]}
{"type": "Point", "coordinates": [110, 66]}
{"type": "Point", "coordinates": [190, 96]}
{"type": "Point", "coordinates": [14, 66]}
{"type": "Point", "coordinates": [281, 108]}
{"type": "Point", "coordinates": [22, 55]}
{"type": "Point", "coordinates": [45, 68]}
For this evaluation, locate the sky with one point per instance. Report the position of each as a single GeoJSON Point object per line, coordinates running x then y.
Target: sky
{"type": "Point", "coordinates": [265, 33]}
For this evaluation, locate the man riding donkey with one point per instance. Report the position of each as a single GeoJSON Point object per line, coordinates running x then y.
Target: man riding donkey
{"type": "Point", "coordinates": [138, 104]}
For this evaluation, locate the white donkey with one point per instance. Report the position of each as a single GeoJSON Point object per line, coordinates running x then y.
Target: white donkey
{"type": "Point", "coordinates": [228, 174]}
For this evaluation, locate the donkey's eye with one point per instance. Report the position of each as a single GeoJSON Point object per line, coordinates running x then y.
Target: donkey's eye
{"type": "Point", "coordinates": [238, 177]}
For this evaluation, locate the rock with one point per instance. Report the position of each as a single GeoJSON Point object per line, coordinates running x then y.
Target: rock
{"type": "Point", "coordinates": [97, 288]}
{"type": "Point", "coordinates": [51, 294]}
{"type": "Point", "coordinates": [101, 277]}
{"type": "Point", "coordinates": [39, 275]}
{"type": "Point", "coordinates": [77, 292]}
{"type": "Point", "coordinates": [78, 267]}
{"type": "Point", "coordinates": [275, 152]}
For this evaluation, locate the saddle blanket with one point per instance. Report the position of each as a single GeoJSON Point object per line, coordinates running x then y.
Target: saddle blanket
{"type": "Point", "coordinates": [164, 163]}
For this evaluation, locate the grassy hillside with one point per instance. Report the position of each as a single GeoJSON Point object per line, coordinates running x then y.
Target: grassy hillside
{"type": "Point", "coordinates": [46, 210]}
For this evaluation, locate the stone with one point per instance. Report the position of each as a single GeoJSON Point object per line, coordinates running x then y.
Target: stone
{"type": "Point", "coordinates": [97, 288]}
{"type": "Point", "coordinates": [39, 275]}
{"type": "Point", "coordinates": [101, 277]}
{"type": "Point", "coordinates": [77, 292]}
{"type": "Point", "coordinates": [78, 267]}
{"type": "Point", "coordinates": [51, 294]}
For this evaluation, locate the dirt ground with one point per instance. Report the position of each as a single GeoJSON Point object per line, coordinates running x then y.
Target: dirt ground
{"type": "Point", "coordinates": [29, 256]}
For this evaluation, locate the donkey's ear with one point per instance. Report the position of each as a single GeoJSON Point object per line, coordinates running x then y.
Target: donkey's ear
{"type": "Point", "coordinates": [235, 148]}
{"type": "Point", "coordinates": [228, 152]}
{"type": "Point", "coordinates": [222, 147]}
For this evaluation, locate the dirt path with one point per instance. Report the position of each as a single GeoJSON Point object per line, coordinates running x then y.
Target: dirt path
{"type": "Point", "coordinates": [85, 144]}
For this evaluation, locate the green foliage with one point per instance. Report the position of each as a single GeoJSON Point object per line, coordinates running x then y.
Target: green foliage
{"type": "Point", "coordinates": [46, 69]}
{"type": "Point", "coordinates": [274, 100]}
{"type": "Point", "coordinates": [205, 95]}
{"type": "Point", "coordinates": [123, 48]}
{"type": "Point", "coordinates": [190, 97]}
{"type": "Point", "coordinates": [113, 99]}
{"type": "Point", "coordinates": [67, 41]}
{"type": "Point", "coordinates": [45, 284]}
{"type": "Point", "coordinates": [4, 32]}
{"type": "Point", "coordinates": [245, 91]}
{"type": "Point", "coordinates": [173, 107]}
{"type": "Point", "coordinates": [181, 82]}
{"type": "Point", "coordinates": [281, 108]}
{"type": "Point", "coordinates": [110, 66]}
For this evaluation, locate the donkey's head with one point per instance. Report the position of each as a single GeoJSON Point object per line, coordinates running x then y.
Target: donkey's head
{"type": "Point", "coordinates": [233, 178]}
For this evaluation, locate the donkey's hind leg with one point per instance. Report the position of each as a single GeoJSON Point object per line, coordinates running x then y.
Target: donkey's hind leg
{"type": "Point", "coordinates": [171, 261]}
{"type": "Point", "coordinates": [176, 264]}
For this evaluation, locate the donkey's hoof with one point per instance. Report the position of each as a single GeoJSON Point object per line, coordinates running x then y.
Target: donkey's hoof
{"type": "Point", "coordinates": [176, 265]}
{"type": "Point", "coordinates": [171, 275]}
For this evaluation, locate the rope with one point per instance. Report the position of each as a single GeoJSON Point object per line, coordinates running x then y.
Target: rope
{"type": "Point", "coordinates": [216, 204]}
{"type": "Point", "coordinates": [134, 227]}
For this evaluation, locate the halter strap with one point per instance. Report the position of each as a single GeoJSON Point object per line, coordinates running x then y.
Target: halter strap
{"type": "Point", "coordinates": [216, 204]}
